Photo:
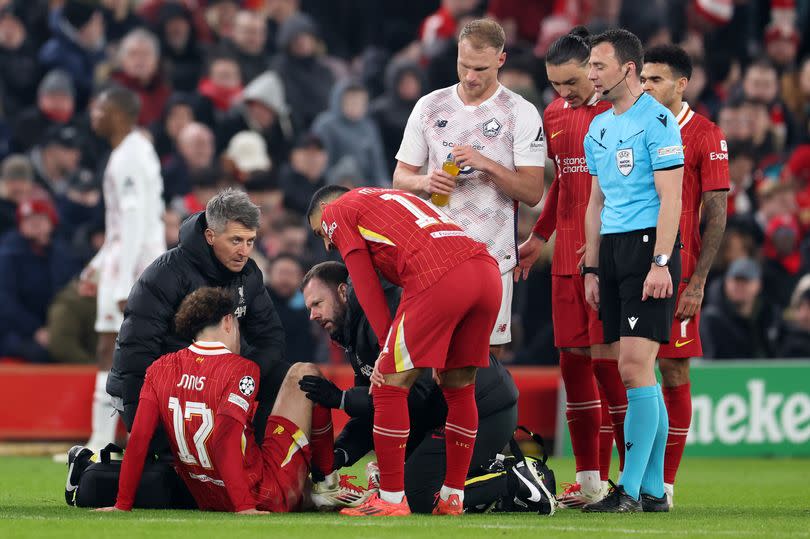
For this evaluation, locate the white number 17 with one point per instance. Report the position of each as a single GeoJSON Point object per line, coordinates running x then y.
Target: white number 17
{"type": "Point", "coordinates": [200, 437]}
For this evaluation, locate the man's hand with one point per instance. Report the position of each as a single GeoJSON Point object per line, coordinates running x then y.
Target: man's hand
{"type": "Point", "coordinates": [253, 511]}
{"type": "Point", "coordinates": [658, 284]}
{"type": "Point", "coordinates": [466, 156]}
{"type": "Point", "coordinates": [111, 509]}
{"type": "Point", "coordinates": [581, 251]}
{"type": "Point", "coordinates": [592, 290]}
{"type": "Point", "coordinates": [528, 253]}
{"type": "Point", "coordinates": [377, 379]}
{"type": "Point", "coordinates": [42, 337]}
{"type": "Point", "coordinates": [439, 182]}
{"type": "Point", "coordinates": [690, 301]}
{"type": "Point", "coordinates": [321, 391]}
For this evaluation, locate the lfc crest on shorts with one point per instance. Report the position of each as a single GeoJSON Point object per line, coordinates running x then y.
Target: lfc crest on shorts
{"type": "Point", "coordinates": [624, 160]}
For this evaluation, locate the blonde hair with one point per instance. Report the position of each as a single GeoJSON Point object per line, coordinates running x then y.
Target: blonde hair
{"type": "Point", "coordinates": [483, 33]}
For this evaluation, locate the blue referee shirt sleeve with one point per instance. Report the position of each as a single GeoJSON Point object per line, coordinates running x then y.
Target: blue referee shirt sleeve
{"type": "Point", "coordinates": [664, 141]}
{"type": "Point", "coordinates": [590, 159]}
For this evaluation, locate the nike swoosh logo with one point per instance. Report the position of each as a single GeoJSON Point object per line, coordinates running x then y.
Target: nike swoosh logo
{"type": "Point", "coordinates": [536, 496]}
{"type": "Point", "coordinates": [679, 344]}
{"type": "Point", "coordinates": [554, 134]}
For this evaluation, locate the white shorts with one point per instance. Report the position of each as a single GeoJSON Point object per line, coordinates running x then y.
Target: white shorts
{"type": "Point", "coordinates": [502, 332]}
{"type": "Point", "coordinates": [108, 316]}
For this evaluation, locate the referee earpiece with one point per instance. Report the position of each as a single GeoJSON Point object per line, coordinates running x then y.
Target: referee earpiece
{"type": "Point", "coordinates": [626, 72]}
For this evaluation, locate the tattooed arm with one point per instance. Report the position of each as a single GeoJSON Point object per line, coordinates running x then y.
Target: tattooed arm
{"type": "Point", "coordinates": [714, 208]}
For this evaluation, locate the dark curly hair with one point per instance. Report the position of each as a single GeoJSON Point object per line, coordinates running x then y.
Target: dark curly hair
{"type": "Point", "coordinates": [203, 308]}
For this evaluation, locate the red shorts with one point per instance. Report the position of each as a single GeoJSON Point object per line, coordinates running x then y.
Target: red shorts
{"type": "Point", "coordinates": [684, 341]}
{"type": "Point", "coordinates": [448, 325]}
{"type": "Point", "coordinates": [285, 466]}
{"type": "Point", "coordinates": [576, 324]}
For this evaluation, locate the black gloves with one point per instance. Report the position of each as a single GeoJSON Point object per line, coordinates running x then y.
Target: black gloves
{"type": "Point", "coordinates": [321, 391]}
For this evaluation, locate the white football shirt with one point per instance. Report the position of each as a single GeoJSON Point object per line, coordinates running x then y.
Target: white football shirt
{"type": "Point", "coordinates": [505, 128]}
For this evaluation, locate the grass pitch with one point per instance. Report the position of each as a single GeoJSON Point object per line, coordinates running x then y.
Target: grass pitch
{"type": "Point", "coordinates": [714, 498]}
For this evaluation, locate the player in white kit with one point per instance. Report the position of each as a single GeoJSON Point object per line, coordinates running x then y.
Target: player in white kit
{"type": "Point", "coordinates": [495, 137]}
{"type": "Point", "coordinates": [134, 234]}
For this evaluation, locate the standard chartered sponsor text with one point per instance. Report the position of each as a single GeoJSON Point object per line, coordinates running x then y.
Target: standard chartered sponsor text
{"type": "Point", "coordinates": [756, 417]}
{"type": "Point", "coordinates": [572, 165]}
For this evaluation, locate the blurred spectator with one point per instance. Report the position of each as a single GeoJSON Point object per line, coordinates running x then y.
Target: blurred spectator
{"type": "Point", "coordinates": [781, 47]}
{"type": "Point", "coordinates": [796, 92]}
{"type": "Point", "coordinates": [347, 130]}
{"type": "Point", "coordinates": [520, 19]}
{"type": "Point", "coordinates": [55, 106]}
{"type": "Point", "coordinates": [205, 183]}
{"type": "Point", "coordinates": [442, 26]}
{"type": "Point", "coordinates": [517, 74]}
{"type": "Point", "coordinates": [248, 44]}
{"type": "Point", "coordinates": [220, 16]}
{"type": "Point", "coordinates": [782, 261]}
{"type": "Point", "coordinates": [178, 112]}
{"type": "Point", "coordinates": [172, 220]}
{"type": "Point", "coordinates": [741, 162]}
{"type": "Point", "coordinates": [775, 199]}
{"type": "Point", "coordinates": [797, 173]}
{"type": "Point", "coordinates": [284, 275]}
{"type": "Point", "coordinates": [182, 56]}
{"type": "Point", "coordinates": [277, 12]}
{"type": "Point", "coordinates": [264, 191]}
{"type": "Point", "coordinates": [246, 153]}
{"type": "Point", "coordinates": [18, 60]}
{"type": "Point", "coordinates": [263, 109]}
{"type": "Point", "coordinates": [16, 186]}
{"type": "Point", "coordinates": [119, 20]}
{"type": "Point", "coordinates": [80, 204]}
{"type": "Point", "coordinates": [796, 341]}
{"type": "Point", "coordinates": [139, 71]}
{"type": "Point", "coordinates": [404, 84]}
{"type": "Point", "coordinates": [77, 45]}
{"type": "Point", "coordinates": [760, 84]}
{"type": "Point", "coordinates": [195, 151]}
{"type": "Point", "coordinates": [346, 172]}
{"type": "Point", "coordinates": [34, 266]}
{"type": "Point", "coordinates": [307, 78]}
{"type": "Point", "coordinates": [304, 174]}
{"type": "Point", "coordinates": [737, 322]}
{"type": "Point", "coordinates": [56, 159]}
{"type": "Point", "coordinates": [737, 243]}
{"type": "Point", "coordinates": [70, 325]}
{"type": "Point", "coordinates": [222, 84]}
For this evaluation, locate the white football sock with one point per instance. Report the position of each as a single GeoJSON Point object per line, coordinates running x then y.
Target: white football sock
{"type": "Point", "coordinates": [446, 492]}
{"type": "Point", "coordinates": [392, 497]}
{"type": "Point", "coordinates": [590, 481]}
{"type": "Point", "coordinates": [105, 418]}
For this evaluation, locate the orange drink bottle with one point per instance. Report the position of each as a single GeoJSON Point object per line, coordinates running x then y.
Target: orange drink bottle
{"type": "Point", "coordinates": [451, 168]}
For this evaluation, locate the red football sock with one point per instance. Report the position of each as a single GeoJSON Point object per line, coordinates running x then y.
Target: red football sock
{"type": "Point", "coordinates": [605, 439]}
{"type": "Point", "coordinates": [322, 440]}
{"type": "Point", "coordinates": [679, 407]}
{"type": "Point", "coordinates": [582, 409]}
{"type": "Point", "coordinates": [391, 430]}
{"type": "Point", "coordinates": [460, 430]}
{"type": "Point", "coordinates": [607, 374]}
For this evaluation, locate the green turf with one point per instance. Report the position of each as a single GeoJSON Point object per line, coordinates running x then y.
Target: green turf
{"type": "Point", "coordinates": [714, 498]}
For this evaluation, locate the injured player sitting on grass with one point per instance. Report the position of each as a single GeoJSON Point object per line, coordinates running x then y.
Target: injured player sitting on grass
{"type": "Point", "coordinates": [204, 396]}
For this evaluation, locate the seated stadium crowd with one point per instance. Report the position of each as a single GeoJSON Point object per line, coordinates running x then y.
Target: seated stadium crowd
{"type": "Point", "coordinates": [282, 97]}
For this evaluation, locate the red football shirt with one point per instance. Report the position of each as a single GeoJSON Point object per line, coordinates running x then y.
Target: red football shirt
{"type": "Point", "coordinates": [189, 392]}
{"type": "Point", "coordinates": [705, 169]}
{"type": "Point", "coordinates": [411, 243]}
{"type": "Point", "coordinates": [568, 196]}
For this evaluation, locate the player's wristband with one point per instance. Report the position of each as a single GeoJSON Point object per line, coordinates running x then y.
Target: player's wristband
{"type": "Point", "coordinates": [589, 269]}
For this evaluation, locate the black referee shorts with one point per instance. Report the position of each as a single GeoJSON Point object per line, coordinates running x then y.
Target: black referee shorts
{"type": "Point", "coordinates": [624, 261]}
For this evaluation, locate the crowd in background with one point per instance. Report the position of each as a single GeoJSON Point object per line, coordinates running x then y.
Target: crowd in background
{"type": "Point", "coordinates": [282, 97]}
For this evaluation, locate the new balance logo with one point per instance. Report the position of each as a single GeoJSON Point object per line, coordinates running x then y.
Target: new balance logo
{"type": "Point", "coordinates": [632, 321]}
{"type": "Point", "coordinates": [628, 446]}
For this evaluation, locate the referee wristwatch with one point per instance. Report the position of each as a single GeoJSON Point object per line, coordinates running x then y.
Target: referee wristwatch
{"type": "Point", "coordinates": [661, 261]}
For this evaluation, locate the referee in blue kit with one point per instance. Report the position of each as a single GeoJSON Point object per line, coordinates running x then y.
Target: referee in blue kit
{"type": "Point", "coordinates": [632, 253]}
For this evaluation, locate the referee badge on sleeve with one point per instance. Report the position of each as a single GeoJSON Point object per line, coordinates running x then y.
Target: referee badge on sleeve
{"type": "Point", "coordinates": [624, 160]}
